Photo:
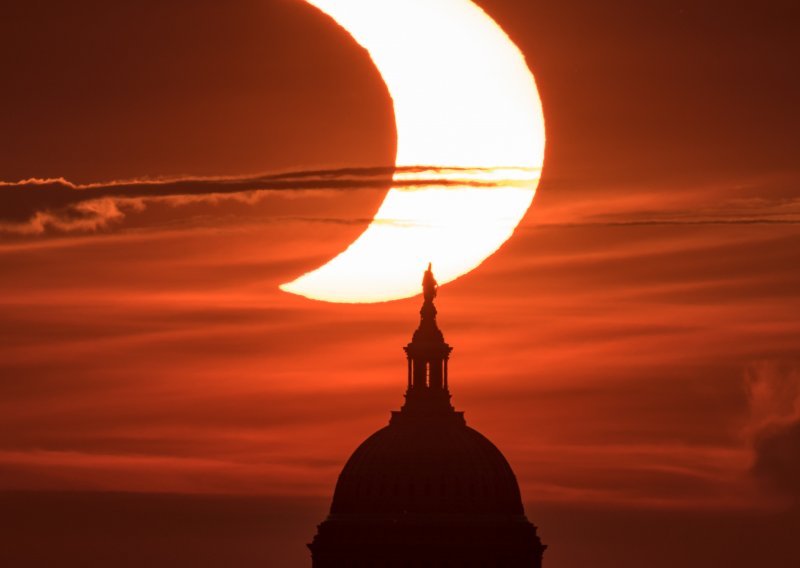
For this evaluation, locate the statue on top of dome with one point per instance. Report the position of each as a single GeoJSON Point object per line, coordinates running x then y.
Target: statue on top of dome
{"type": "Point", "coordinates": [429, 285]}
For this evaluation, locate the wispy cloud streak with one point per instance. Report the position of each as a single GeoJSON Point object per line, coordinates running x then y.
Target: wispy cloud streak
{"type": "Point", "coordinates": [35, 205]}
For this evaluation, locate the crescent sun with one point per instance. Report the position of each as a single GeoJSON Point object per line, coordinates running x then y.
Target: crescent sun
{"type": "Point", "coordinates": [465, 105]}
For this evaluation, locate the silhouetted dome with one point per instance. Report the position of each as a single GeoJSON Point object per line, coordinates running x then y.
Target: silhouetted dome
{"type": "Point", "coordinates": [427, 490]}
{"type": "Point", "coordinates": [434, 466]}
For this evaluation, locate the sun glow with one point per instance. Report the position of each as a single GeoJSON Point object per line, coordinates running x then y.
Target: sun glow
{"type": "Point", "coordinates": [464, 99]}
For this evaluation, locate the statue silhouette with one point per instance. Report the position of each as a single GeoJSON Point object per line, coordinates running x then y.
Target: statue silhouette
{"type": "Point", "coordinates": [429, 285]}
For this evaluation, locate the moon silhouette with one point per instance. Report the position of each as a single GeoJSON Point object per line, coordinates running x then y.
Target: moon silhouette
{"type": "Point", "coordinates": [466, 107]}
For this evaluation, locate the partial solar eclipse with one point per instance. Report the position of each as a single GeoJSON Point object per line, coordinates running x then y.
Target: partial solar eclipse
{"type": "Point", "coordinates": [465, 104]}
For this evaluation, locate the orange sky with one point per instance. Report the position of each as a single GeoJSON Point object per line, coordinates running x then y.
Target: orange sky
{"type": "Point", "coordinates": [633, 349]}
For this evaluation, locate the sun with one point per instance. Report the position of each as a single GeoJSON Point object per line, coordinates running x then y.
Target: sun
{"type": "Point", "coordinates": [467, 106]}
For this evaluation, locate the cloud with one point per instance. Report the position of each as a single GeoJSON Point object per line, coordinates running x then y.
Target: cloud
{"type": "Point", "coordinates": [57, 205]}
{"type": "Point", "coordinates": [777, 462]}
{"type": "Point", "coordinates": [761, 201]}
{"type": "Point", "coordinates": [774, 428]}
{"type": "Point", "coordinates": [35, 206]}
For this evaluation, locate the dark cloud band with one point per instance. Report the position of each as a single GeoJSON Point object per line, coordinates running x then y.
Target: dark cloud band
{"type": "Point", "coordinates": [32, 205]}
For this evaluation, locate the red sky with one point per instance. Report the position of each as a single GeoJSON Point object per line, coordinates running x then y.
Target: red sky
{"type": "Point", "coordinates": [633, 349]}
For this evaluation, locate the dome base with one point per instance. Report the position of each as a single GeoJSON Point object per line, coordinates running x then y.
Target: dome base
{"type": "Point", "coordinates": [421, 543]}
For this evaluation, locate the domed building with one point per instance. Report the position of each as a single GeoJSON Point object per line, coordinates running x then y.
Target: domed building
{"type": "Point", "coordinates": [427, 490]}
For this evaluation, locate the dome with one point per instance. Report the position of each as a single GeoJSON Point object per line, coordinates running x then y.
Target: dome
{"type": "Point", "coordinates": [427, 490]}
{"type": "Point", "coordinates": [433, 465]}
